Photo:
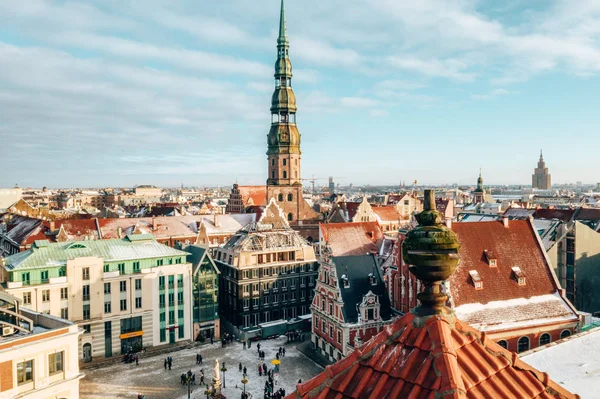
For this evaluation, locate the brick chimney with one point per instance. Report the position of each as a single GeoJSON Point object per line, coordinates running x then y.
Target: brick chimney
{"type": "Point", "coordinates": [505, 220]}
{"type": "Point", "coordinates": [52, 226]}
{"type": "Point", "coordinates": [154, 224]}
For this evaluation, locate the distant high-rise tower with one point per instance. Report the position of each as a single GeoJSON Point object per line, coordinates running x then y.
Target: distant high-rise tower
{"type": "Point", "coordinates": [331, 186]}
{"type": "Point", "coordinates": [283, 154]}
{"type": "Point", "coordinates": [541, 178]}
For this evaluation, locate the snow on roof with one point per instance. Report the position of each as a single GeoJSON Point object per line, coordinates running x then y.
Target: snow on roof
{"type": "Point", "coordinates": [573, 362]}
{"type": "Point", "coordinates": [515, 313]}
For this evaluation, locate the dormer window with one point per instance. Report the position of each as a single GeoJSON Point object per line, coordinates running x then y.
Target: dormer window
{"type": "Point", "coordinates": [372, 279]}
{"type": "Point", "coordinates": [345, 281]}
{"type": "Point", "coordinates": [490, 257]}
{"type": "Point", "coordinates": [476, 278]}
{"type": "Point", "coordinates": [519, 275]}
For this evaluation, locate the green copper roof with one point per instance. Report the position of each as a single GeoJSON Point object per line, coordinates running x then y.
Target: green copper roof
{"type": "Point", "coordinates": [132, 247]}
{"type": "Point", "coordinates": [282, 26]}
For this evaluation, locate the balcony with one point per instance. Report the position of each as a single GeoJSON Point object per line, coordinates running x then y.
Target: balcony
{"type": "Point", "coordinates": [275, 289]}
{"type": "Point", "coordinates": [58, 280]}
{"type": "Point", "coordinates": [113, 274]}
{"type": "Point", "coordinates": [246, 294]}
{"type": "Point", "coordinates": [15, 284]}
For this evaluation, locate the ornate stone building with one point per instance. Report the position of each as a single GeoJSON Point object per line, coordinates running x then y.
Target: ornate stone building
{"type": "Point", "coordinates": [541, 178]}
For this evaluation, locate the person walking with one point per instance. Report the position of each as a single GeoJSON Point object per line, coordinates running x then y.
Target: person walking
{"type": "Point", "coordinates": [283, 350]}
{"type": "Point", "coordinates": [258, 347]}
{"type": "Point", "coordinates": [259, 370]}
{"type": "Point", "coordinates": [240, 367]}
{"type": "Point", "coordinates": [200, 358]}
{"type": "Point", "coordinates": [165, 363]}
{"type": "Point", "coordinates": [244, 343]}
{"type": "Point", "coordinates": [170, 360]}
{"type": "Point", "coordinates": [245, 370]}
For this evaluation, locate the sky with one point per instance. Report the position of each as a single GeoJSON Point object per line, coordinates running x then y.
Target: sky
{"type": "Point", "coordinates": [124, 92]}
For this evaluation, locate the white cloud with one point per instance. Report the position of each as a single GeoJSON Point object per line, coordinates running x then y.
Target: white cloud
{"type": "Point", "coordinates": [358, 102]}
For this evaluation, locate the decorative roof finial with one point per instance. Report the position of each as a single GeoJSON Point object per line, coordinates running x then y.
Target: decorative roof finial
{"type": "Point", "coordinates": [431, 250]}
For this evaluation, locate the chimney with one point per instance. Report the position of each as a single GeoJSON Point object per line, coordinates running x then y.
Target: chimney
{"type": "Point", "coordinates": [52, 226]}
{"type": "Point", "coordinates": [154, 224]}
{"type": "Point", "coordinates": [505, 220]}
{"type": "Point", "coordinates": [216, 219]}
{"type": "Point", "coordinates": [448, 222]}
{"type": "Point", "coordinates": [120, 232]}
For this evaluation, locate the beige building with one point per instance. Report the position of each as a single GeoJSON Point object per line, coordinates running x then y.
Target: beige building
{"type": "Point", "coordinates": [125, 293]}
{"type": "Point", "coordinates": [8, 196]}
{"type": "Point", "coordinates": [38, 354]}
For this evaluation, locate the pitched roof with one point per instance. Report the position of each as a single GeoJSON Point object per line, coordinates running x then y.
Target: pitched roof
{"type": "Point", "coordinates": [566, 215]}
{"type": "Point", "coordinates": [519, 213]}
{"type": "Point", "coordinates": [442, 358]}
{"type": "Point", "coordinates": [44, 254]}
{"type": "Point", "coordinates": [19, 228]}
{"type": "Point", "coordinates": [253, 195]}
{"type": "Point", "coordinates": [386, 213]}
{"type": "Point", "coordinates": [502, 301]}
{"type": "Point", "coordinates": [357, 269]}
{"type": "Point", "coordinates": [354, 238]}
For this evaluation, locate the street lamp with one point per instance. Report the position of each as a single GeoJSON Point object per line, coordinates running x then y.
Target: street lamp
{"type": "Point", "coordinates": [244, 381]}
{"type": "Point", "coordinates": [224, 369]}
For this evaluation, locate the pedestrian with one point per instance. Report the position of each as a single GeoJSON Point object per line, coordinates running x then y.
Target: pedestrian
{"type": "Point", "coordinates": [244, 343]}
{"type": "Point", "coordinates": [189, 373]}
{"type": "Point", "coordinates": [182, 378]}
{"type": "Point", "coordinates": [264, 368]}
{"type": "Point", "coordinates": [283, 349]}
{"type": "Point", "coordinates": [240, 367]}
{"type": "Point", "coordinates": [249, 343]}
{"type": "Point", "coordinates": [202, 379]}
{"type": "Point", "coordinates": [166, 362]}
{"type": "Point", "coordinates": [193, 379]}
{"type": "Point", "coordinates": [170, 359]}
{"type": "Point", "coordinates": [259, 370]}
{"type": "Point", "coordinates": [137, 361]}
{"type": "Point", "coordinates": [277, 355]}
{"type": "Point", "coordinates": [245, 370]}
{"type": "Point", "coordinates": [200, 358]}
{"type": "Point", "coordinates": [258, 347]}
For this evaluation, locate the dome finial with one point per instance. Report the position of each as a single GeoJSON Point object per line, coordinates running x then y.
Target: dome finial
{"type": "Point", "coordinates": [431, 250]}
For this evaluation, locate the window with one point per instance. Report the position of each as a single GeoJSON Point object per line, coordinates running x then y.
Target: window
{"type": "Point", "coordinates": [339, 337]}
{"type": "Point", "coordinates": [87, 328]}
{"type": "Point", "coordinates": [86, 292]}
{"type": "Point", "coordinates": [46, 296]}
{"type": "Point", "coordinates": [290, 217]}
{"type": "Point", "coordinates": [62, 272]}
{"type": "Point", "coordinates": [290, 197]}
{"type": "Point", "coordinates": [136, 267]}
{"type": "Point", "coordinates": [86, 273]}
{"type": "Point", "coordinates": [171, 317]}
{"type": "Point", "coordinates": [25, 277]}
{"type": "Point", "coordinates": [180, 297]}
{"type": "Point", "coordinates": [284, 174]}
{"type": "Point", "coordinates": [161, 282]}
{"type": "Point", "coordinates": [565, 334]}
{"type": "Point", "coordinates": [55, 362]}
{"type": "Point", "coordinates": [163, 335]}
{"type": "Point", "coordinates": [138, 303]}
{"type": "Point", "coordinates": [123, 286]}
{"type": "Point", "coordinates": [272, 174]}
{"type": "Point", "coordinates": [280, 197]}
{"type": "Point", "coordinates": [107, 288]}
{"type": "Point", "coordinates": [159, 262]}
{"type": "Point", "coordinates": [330, 308]}
{"type": "Point", "coordinates": [284, 162]}
{"type": "Point", "coordinates": [324, 327]}
{"type": "Point", "coordinates": [523, 344]}
{"type": "Point", "coordinates": [545, 339]}
{"type": "Point", "coordinates": [64, 293]}
{"type": "Point", "coordinates": [106, 268]}
{"type": "Point", "coordinates": [107, 307]}
{"type": "Point", "coordinates": [138, 284]}
{"type": "Point", "coordinates": [331, 331]}
{"type": "Point", "coordinates": [121, 267]}
{"type": "Point", "coordinates": [162, 317]}
{"type": "Point", "coordinates": [171, 281]}
{"type": "Point", "coordinates": [25, 372]}
{"type": "Point", "coordinates": [161, 300]}
{"type": "Point", "coordinates": [64, 313]}
{"type": "Point", "coordinates": [44, 276]}
{"type": "Point", "coordinates": [27, 298]}
{"type": "Point", "coordinates": [86, 312]}
{"type": "Point", "coordinates": [123, 304]}
{"type": "Point", "coordinates": [178, 261]}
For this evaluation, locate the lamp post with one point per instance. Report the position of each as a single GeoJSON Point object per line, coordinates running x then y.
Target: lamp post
{"type": "Point", "coordinates": [224, 369]}
{"type": "Point", "coordinates": [244, 381]}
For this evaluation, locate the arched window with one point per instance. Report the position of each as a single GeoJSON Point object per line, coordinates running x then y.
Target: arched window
{"type": "Point", "coordinates": [545, 339]}
{"type": "Point", "coordinates": [284, 162]}
{"type": "Point", "coordinates": [523, 344]}
{"type": "Point", "coordinates": [272, 161]}
{"type": "Point", "coordinates": [272, 174]}
{"type": "Point", "coordinates": [290, 217]}
{"type": "Point", "coordinates": [280, 198]}
{"type": "Point", "coordinates": [565, 334]}
{"type": "Point", "coordinates": [290, 197]}
{"type": "Point", "coordinates": [284, 174]}
{"type": "Point", "coordinates": [503, 344]}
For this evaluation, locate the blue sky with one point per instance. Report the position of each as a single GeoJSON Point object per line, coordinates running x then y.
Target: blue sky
{"type": "Point", "coordinates": [107, 92]}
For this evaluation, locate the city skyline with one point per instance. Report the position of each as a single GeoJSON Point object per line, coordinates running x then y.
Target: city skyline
{"type": "Point", "coordinates": [126, 94]}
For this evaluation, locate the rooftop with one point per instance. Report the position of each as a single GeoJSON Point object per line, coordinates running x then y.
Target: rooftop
{"type": "Point", "coordinates": [358, 238]}
{"type": "Point", "coordinates": [45, 254]}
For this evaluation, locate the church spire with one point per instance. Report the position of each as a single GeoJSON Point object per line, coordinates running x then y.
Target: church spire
{"type": "Point", "coordinates": [283, 39]}
{"type": "Point", "coordinates": [480, 181]}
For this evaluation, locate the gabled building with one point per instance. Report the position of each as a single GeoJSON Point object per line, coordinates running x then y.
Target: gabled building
{"type": "Point", "coordinates": [242, 197]}
{"type": "Point", "coordinates": [430, 352]}
{"type": "Point", "coordinates": [350, 306]}
{"type": "Point", "coordinates": [268, 272]}
{"type": "Point", "coordinates": [504, 286]}
{"type": "Point", "coordinates": [125, 293]}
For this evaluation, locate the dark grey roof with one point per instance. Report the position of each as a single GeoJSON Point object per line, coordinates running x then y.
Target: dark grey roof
{"type": "Point", "coordinates": [357, 269]}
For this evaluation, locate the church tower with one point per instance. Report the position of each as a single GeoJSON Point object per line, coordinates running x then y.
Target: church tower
{"type": "Point", "coordinates": [284, 182]}
{"type": "Point", "coordinates": [541, 178]}
{"type": "Point", "coordinates": [479, 193]}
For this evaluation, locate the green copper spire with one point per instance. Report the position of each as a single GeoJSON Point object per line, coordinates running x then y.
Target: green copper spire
{"type": "Point", "coordinates": [283, 39]}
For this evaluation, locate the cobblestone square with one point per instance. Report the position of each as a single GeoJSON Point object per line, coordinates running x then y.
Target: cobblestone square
{"type": "Point", "coordinates": [151, 379]}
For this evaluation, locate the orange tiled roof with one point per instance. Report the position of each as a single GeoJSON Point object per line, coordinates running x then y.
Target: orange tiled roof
{"type": "Point", "coordinates": [386, 213]}
{"type": "Point", "coordinates": [258, 195]}
{"type": "Point", "coordinates": [444, 358]}
{"type": "Point", "coordinates": [357, 238]}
